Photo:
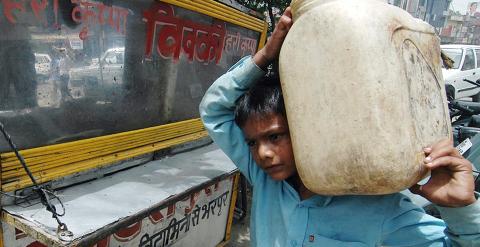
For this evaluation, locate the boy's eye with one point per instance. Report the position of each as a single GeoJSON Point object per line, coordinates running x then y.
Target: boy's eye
{"type": "Point", "coordinates": [273, 137]}
{"type": "Point", "coordinates": [251, 143]}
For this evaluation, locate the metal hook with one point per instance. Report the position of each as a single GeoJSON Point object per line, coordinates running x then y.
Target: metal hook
{"type": "Point", "coordinates": [63, 233]}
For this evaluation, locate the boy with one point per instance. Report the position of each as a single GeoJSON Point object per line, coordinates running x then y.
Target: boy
{"type": "Point", "coordinates": [251, 127]}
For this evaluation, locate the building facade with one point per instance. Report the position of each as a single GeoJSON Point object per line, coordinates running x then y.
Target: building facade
{"type": "Point", "coordinates": [434, 12]}
{"type": "Point", "coordinates": [451, 26]}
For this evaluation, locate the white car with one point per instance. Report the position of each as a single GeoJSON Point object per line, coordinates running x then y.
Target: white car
{"type": "Point", "coordinates": [108, 71]}
{"type": "Point", "coordinates": [105, 73]}
{"type": "Point", "coordinates": [466, 68]}
{"type": "Point", "coordinates": [43, 64]}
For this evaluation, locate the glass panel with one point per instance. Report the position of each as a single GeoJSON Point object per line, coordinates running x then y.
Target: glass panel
{"type": "Point", "coordinates": [115, 66]}
{"type": "Point", "coordinates": [469, 60]}
{"type": "Point", "coordinates": [455, 55]}
{"type": "Point", "coordinates": [477, 53]}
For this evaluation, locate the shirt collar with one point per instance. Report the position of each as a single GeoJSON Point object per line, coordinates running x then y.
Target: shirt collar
{"type": "Point", "coordinates": [314, 201]}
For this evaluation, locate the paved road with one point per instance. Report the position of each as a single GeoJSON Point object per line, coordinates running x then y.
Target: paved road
{"type": "Point", "coordinates": [241, 230]}
{"type": "Point", "coordinates": [240, 233]}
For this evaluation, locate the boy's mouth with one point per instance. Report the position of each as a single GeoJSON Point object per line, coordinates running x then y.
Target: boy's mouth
{"type": "Point", "coordinates": [274, 168]}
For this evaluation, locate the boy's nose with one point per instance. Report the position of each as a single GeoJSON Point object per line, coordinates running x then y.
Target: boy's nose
{"type": "Point", "coordinates": [265, 152]}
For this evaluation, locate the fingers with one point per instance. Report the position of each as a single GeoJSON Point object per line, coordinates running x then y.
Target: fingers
{"type": "Point", "coordinates": [439, 149]}
{"type": "Point", "coordinates": [444, 154]}
{"type": "Point", "coordinates": [288, 12]}
{"type": "Point", "coordinates": [274, 43]}
{"type": "Point", "coordinates": [283, 26]}
{"type": "Point", "coordinates": [285, 21]}
{"type": "Point", "coordinates": [272, 49]}
{"type": "Point", "coordinates": [451, 183]}
{"type": "Point", "coordinates": [454, 164]}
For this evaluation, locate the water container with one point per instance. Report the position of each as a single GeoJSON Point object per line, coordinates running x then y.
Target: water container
{"type": "Point", "coordinates": [364, 94]}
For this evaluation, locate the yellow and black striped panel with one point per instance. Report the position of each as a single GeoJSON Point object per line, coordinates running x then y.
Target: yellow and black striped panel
{"type": "Point", "coordinates": [52, 162]}
{"type": "Point", "coordinates": [221, 12]}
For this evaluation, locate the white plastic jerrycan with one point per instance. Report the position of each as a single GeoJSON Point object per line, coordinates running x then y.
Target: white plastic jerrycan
{"type": "Point", "coordinates": [364, 94]}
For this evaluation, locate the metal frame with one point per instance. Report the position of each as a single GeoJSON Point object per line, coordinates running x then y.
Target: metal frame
{"type": "Point", "coordinates": [160, 137]}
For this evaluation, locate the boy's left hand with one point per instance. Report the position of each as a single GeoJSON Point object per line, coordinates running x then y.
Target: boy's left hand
{"type": "Point", "coordinates": [271, 50]}
{"type": "Point", "coordinates": [451, 183]}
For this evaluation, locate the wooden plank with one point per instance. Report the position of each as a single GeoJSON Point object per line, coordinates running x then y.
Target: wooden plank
{"type": "Point", "coordinates": [228, 228]}
{"type": "Point", "coordinates": [31, 230]}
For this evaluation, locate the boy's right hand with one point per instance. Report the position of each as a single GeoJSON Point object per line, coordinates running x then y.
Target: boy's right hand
{"type": "Point", "coordinates": [271, 50]}
{"type": "Point", "coordinates": [451, 183]}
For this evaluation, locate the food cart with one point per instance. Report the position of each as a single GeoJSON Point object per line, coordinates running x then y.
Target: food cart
{"type": "Point", "coordinates": [101, 99]}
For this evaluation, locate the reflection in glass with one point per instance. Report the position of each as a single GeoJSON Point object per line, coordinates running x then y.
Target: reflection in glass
{"type": "Point", "coordinates": [455, 55]}
{"type": "Point", "coordinates": [64, 77]}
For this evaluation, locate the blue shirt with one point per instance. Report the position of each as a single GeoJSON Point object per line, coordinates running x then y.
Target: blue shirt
{"type": "Point", "coordinates": [280, 218]}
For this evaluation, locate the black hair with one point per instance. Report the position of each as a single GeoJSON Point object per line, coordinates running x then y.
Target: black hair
{"type": "Point", "coordinates": [264, 98]}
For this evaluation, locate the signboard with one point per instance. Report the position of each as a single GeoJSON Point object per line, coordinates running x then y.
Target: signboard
{"type": "Point", "coordinates": [197, 220]}
{"type": "Point", "coordinates": [473, 8]}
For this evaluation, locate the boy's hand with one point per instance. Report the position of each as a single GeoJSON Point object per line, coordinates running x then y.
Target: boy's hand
{"type": "Point", "coordinates": [271, 50]}
{"type": "Point", "coordinates": [451, 183]}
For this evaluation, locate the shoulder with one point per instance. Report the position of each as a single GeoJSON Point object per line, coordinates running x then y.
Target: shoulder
{"type": "Point", "coordinates": [378, 206]}
{"type": "Point", "coordinates": [395, 199]}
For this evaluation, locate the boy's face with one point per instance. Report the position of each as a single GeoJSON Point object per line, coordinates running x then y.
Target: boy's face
{"type": "Point", "coordinates": [269, 140]}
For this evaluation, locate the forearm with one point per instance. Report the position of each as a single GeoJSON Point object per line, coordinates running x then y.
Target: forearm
{"type": "Point", "coordinates": [217, 112]}
{"type": "Point", "coordinates": [463, 224]}
{"type": "Point", "coordinates": [219, 100]}
{"type": "Point", "coordinates": [261, 59]}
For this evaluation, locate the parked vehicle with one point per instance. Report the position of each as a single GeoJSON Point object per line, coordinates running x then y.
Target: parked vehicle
{"type": "Point", "coordinates": [43, 64]}
{"type": "Point", "coordinates": [107, 70]}
{"type": "Point", "coordinates": [466, 65]}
